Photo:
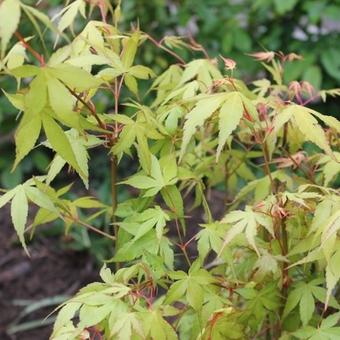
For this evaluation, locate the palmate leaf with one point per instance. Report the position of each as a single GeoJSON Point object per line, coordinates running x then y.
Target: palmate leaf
{"type": "Point", "coordinates": [79, 145]}
{"type": "Point", "coordinates": [203, 70]}
{"type": "Point", "coordinates": [210, 238]}
{"type": "Point", "coordinates": [330, 167]}
{"type": "Point", "coordinates": [20, 196]}
{"type": "Point", "coordinates": [246, 221]}
{"type": "Point", "coordinates": [326, 331]}
{"type": "Point", "coordinates": [192, 285]}
{"type": "Point", "coordinates": [303, 119]}
{"type": "Point", "coordinates": [158, 179]}
{"type": "Point", "coordinates": [203, 109]}
{"type": "Point", "coordinates": [140, 224]}
{"type": "Point", "coordinates": [304, 295]}
{"type": "Point", "coordinates": [155, 326]}
{"type": "Point", "coordinates": [69, 13]}
{"type": "Point", "coordinates": [230, 115]}
{"type": "Point", "coordinates": [231, 107]}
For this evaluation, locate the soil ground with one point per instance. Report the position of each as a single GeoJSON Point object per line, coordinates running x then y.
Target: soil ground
{"type": "Point", "coordinates": [50, 271]}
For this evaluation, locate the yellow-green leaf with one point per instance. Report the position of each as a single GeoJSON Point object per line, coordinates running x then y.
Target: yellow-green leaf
{"type": "Point", "coordinates": [19, 212]}
{"type": "Point", "coordinates": [59, 142]}
{"type": "Point", "coordinates": [196, 117]}
{"type": "Point", "coordinates": [130, 49]}
{"type": "Point", "coordinates": [26, 136]}
{"type": "Point", "coordinates": [25, 71]}
{"type": "Point", "coordinates": [36, 98]}
{"type": "Point", "coordinates": [62, 102]}
{"type": "Point", "coordinates": [231, 113]}
{"type": "Point", "coordinates": [141, 72]}
{"type": "Point", "coordinates": [75, 77]}
{"type": "Point", "coordinates": [9, 20]}
{"type": "Point", "coordinates": [131, 84]}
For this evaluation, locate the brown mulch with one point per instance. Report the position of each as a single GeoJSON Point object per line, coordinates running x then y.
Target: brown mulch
{"type": "Point", "coordinates": [50, 271]}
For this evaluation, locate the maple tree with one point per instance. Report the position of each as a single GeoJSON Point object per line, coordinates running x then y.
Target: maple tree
{"type": "Point", "coordinates": [268, 268]}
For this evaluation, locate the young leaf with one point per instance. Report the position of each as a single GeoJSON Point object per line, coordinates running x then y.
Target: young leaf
{"type": "Point", "coordinates": [230, 115]}
{"type": "Point", "coordinates": [203, 109]}
{"type": "Point", "coordinates": [19, 212]}
{"type": "Point", "coordinates": [310, 128]}
{"type": "Point", "coordinates": [9, 21]}
{"type": "Point", "coordinates": [247, 221]}
{"type": "Point", "coordinates": [69, 13]}
{"type": "Point", "coordinates": [26, 136]}
{"type": "Point", "coordinates": [130, 49]}
{"type": "Point", "coordinates": [60, 143]}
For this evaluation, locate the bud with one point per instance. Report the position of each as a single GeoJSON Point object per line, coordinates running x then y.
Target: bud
{"type": "Point", "coordinates": [263, 56]}
{"type": "Point", "coordinates": [229, 64]}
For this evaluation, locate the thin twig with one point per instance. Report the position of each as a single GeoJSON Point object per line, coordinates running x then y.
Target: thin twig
{"type": "Point", "coordinates": [159, 45]}
{"type": "Point", "coordinates": [90, 108]}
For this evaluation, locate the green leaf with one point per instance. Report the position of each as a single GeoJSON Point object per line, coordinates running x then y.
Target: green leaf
{"type": "Point", "coordinates": [330, 59]}
{"type": "Point", "coordinates": [332, 274]}
{"type": "Point", "coordinates": [155, 326]}
{"type": "Point", "coordinates": [19, 213]}
{"type": "Point", "coordinates": [26, 136]}
{"type": "Point", "coordinates": [284, 6]}
{"type": "Point", "coordinates": [306, 307]}
{"type": "Point", "coordinates": [60, 143]}
{"type": "Point", "coordinates": [9, 21]}
{"type": "Point", "coordinates": [195, 294]}
{"type": "Point", "coordinates": [36, 98]}
{"type": "Point", "coordinates": [25, 71]}
{"type": "Point", "coordinates": [176, 291]}
{"type": "Point", "coordinates": [196, 117]}
{"type": "Point", "coordinates": [230, 115]}
{"type": "Point", "coordinates": [143, 150]}
{"type": "Point", "coordinates": [130, 49]}
{"type": "Point", "coordinates": [5, 198]}
{"type": "Point", "coordinates": [69, 13]}
{"type": "Point", "coordinates": [75, 77]}
{"type": "Point", "coordinates": [62, 102]}
{"type": "Point", "coordinates": [39, 198]}
{"type": "Point", "coordinates": [314, 76]}
{"type": "Point", "coordinates": [173, 199]}
{"type": "Point", "coordinates": [65, 315]}
{"type": "Point", "coordinates": [141, 182]}
{"type": "Point", "coordinates": [310, 128]}
{"type": "Point", "coordinates": [245, 222]}
{"type": "Point", "coordinates": [141, 72]}
{"type": "Point", "coordinates": [16, 99]}
{"type": "Point", "coordinates": [292, 301]}
{"type": "Point", "coordinates": [125, 140]}
{"type": "Point", "coordinates": [92, 315]}
{"type": "Point", "coordinates": [210, 238]}
{"type": "Point", "coordinates": [131, 84]}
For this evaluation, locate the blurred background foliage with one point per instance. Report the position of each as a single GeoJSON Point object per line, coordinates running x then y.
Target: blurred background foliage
{"type": "Point", "coordinates": [231, 28]}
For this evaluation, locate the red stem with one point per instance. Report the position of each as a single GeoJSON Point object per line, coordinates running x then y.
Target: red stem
{"type": "Point", "coordinates": [36, 55]}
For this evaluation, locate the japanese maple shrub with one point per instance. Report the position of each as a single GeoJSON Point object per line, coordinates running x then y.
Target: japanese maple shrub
{"type": "Point", "coordinates": [265, 267]}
